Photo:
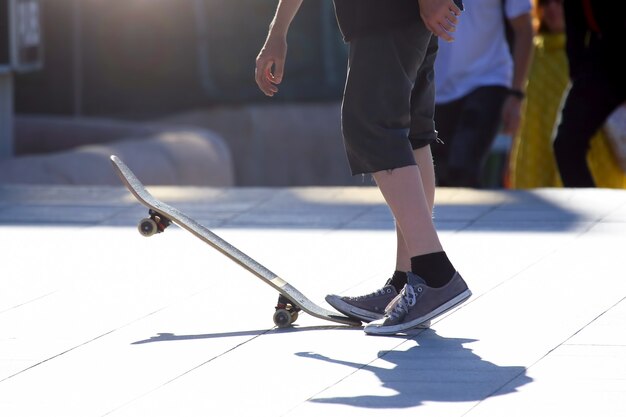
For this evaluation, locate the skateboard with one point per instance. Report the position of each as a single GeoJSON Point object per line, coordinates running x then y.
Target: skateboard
{"type": "Point", "coordinates": [161, 215]}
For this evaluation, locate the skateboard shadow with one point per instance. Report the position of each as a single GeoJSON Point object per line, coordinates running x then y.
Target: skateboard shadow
{"type": "Point", "coordinates": [436, 369]}
{"type": "Point", "coordinates": [172, 337]}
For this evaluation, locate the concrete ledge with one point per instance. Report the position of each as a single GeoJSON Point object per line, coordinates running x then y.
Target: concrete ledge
{"type": "Point", "coordinates": [37, 134]}
{"type": "Point", "coordinates": [177, 157]}
{"type": "Point", "coordinates": [282, 144]}
{"type": "Point", "coordinates": [293, 144]}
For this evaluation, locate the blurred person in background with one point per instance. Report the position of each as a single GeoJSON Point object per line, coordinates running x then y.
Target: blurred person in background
{"type": "Point", "coordinates": [595, 42]}
{"type": "Point", "coordinates": [480, 82]}
{"type": "Point", "coordinates": [531, 162]}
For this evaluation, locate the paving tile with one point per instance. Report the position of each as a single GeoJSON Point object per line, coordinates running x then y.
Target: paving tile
{"type": "Point", "coordinates": [601, 332]}
{"type": "Point", "coordinates": [56, 214]}
{"type": "Point", "coordinates": [571, 381]}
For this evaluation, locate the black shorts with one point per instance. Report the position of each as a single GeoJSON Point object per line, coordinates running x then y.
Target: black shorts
{"type": "Point", "coordinates": [389, 99]}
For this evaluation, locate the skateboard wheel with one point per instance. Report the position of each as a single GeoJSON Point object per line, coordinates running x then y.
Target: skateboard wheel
{"type": "Point", "coordinates": [283, 318]}
{"type": "Point", "coordinates": [147, 227]}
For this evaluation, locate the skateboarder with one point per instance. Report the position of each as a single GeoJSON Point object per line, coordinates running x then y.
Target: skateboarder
{"type": "Point", "coordinates": [387, 125]}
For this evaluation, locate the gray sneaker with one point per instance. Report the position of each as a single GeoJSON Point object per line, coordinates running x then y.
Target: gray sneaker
{"type": "Point", "coordinates": [367, 307]}
{"type": "Point", "coordinates": [418, 303]}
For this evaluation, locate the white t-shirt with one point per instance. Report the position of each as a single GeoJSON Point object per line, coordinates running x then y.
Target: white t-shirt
{"type": "Point", "coordinates": [479, 55]}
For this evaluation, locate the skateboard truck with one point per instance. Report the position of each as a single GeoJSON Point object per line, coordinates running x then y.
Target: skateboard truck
{"type": "Point", "coordinates": [156, 223]}
{"type": "Point", "coordinates": [286, 313]}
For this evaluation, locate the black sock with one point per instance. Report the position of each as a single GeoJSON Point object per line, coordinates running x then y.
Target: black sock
{"type": "Point", "coordinates": [398, 280]}
{"type": "Point", "coordinates": [434, 268]}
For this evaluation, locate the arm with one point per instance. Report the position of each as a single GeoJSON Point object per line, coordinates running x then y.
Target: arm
{"type": "Point", "coordinates": [270, 63]}
{"type": "Point", "coordinates": [522, 55]}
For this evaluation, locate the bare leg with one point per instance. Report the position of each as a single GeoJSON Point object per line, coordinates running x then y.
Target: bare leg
{"type": "Point", "coordinates": [424, 160]}
{"type": "Point", "coordinates": [410, 209]}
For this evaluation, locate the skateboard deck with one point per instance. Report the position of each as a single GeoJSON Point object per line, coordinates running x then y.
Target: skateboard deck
{"type": "Point", "coordinates": [290, 301]}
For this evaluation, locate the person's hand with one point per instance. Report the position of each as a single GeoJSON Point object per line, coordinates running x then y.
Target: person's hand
{"type": "Point", "coordinates": [511, 115]}
{"type": "Point", "coordinates": [270, 64]}
{"type": "Point", "coordinates": [440, 17]}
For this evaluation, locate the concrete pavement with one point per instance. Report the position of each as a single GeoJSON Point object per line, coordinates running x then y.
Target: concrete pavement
{"type": "Point", "coordinates": [99, 321]}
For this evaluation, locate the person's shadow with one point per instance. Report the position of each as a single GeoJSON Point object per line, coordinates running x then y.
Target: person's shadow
{"type": "Point", "coordinates": [436, 369]}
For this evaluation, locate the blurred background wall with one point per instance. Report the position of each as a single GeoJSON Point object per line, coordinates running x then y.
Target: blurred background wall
{"type": "Point", "coordinates": [146, 58]}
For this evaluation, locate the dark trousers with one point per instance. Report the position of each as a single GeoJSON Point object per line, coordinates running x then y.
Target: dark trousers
{"type": "Point", "coordinates": [590, 101]}
{"type": "Point", "coordinates": [467, 126]}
